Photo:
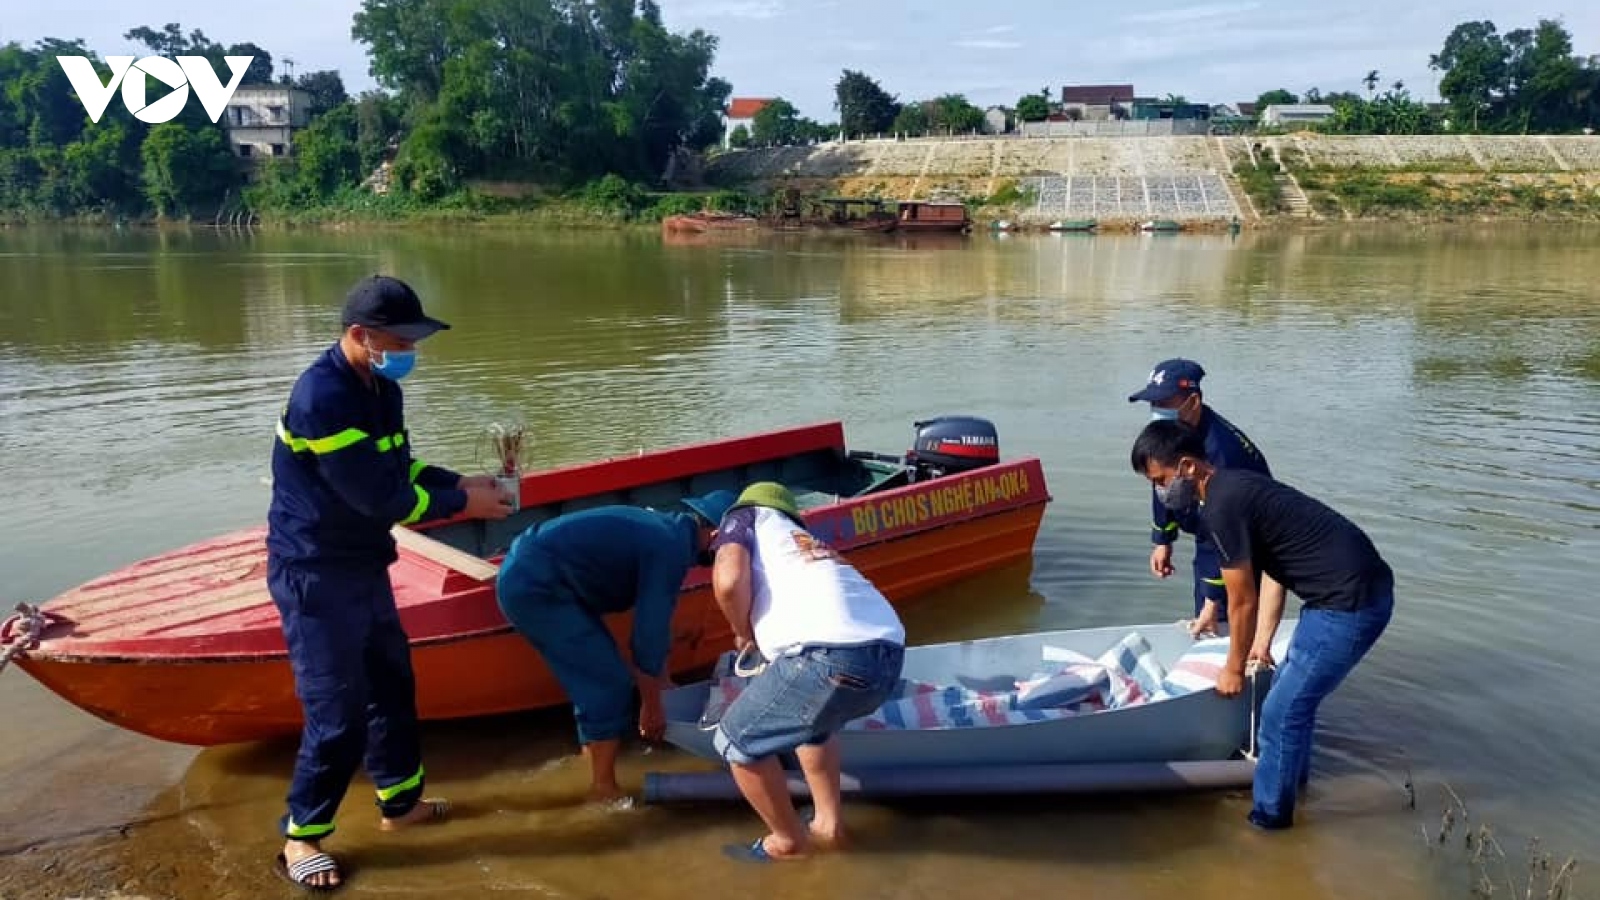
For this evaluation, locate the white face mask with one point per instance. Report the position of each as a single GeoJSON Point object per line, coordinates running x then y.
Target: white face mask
{"type": "Point", "coordinates": [1161, 414]}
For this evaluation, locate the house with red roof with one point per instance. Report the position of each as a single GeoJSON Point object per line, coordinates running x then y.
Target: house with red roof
{"type": "Point", "coordinates": [742, 111]}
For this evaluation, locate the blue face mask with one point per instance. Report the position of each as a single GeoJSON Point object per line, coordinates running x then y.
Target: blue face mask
{"type": "Point", "coordinates": [393, 364]}
{"type": "Point", "coordinates": [1159, 414]}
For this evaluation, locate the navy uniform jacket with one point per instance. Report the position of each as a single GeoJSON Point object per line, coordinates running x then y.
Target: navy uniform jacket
{"type": "Point", "coordinates": [611, 559]}
{"type": "Point", "coordinates": [342, 472]}
{"type": "Point", "coordinates": [1226, 448]}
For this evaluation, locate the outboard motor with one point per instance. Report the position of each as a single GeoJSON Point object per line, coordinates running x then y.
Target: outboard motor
{"type": "Point", "coordinates": [950, 444]}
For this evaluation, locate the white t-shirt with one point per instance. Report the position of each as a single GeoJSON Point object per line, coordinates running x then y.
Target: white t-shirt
{"type": "Point", "coordinates": [802, 591]}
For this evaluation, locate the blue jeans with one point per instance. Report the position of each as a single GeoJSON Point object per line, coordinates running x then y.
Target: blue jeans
{"type": "Point", "coordinates": [1326, 646]}
{"type": "Point", "coordinates": [804, 698]}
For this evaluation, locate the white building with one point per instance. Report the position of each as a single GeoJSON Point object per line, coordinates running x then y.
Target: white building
{"type": "Point", "coordinates": [1296, 115]}
{"type": "Point", "coordinates": [261, 119]}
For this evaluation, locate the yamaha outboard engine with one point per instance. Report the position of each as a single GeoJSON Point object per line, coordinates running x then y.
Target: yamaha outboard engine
{"type": "Point", "coordinates": [950, 444]}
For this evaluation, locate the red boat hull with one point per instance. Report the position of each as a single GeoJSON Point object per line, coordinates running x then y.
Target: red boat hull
{"type": "Point", "coordinates": [186, 647]}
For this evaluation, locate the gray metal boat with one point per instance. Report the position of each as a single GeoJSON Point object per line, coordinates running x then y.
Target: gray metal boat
{"type": "Point", "coordinates": [1176, 719]}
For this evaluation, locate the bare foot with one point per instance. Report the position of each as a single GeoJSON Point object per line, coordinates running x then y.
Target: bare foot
{"type": "Point", "coordinates": [609, 795]}
{"type": "Point", "coordinates": [779, 849]}
{"type": "Point", "coordinates": [428, 810]}
{"type": "Point", "coordinates": [835, 838]}
{"type": "Point", "coordinates": [294, 851]}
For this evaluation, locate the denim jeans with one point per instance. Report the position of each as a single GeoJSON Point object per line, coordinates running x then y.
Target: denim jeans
{"type": "Point", "coordinates": [804, 698]}
{"type": "Point", "coordinates": [1326, 645]}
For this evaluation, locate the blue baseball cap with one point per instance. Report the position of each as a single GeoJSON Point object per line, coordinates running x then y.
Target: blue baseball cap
{"type": "Point", "coordinates": [711, 507]}
{"type": "Point", "coordinates": [1170, 379]}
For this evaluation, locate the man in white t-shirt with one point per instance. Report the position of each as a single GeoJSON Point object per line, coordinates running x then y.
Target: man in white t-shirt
{"type": "Point", "coordinates": [834, 649]}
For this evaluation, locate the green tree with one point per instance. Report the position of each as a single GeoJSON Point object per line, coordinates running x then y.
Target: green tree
{"type": "Point", "coordinates": [45, 97]}
{"type": "Point", "coordinates": [1473, 63]}
{"type": "Point", "coordinates": [864, 107]}
{"type": "Point", "coordinates": [776, 124]}
{"type": "Point", "coordinates": [378, 125]}
{"type": "Point", "coordinates": [548, 89]}
{"type": "Point", "coordinates": [52, 159]}
{"type": "Point", "coordinates": [1545, 79]}
{"type": "Point", "coordinates": [739, 138]}
{"type": "Point", "coordinates": [171, 41]}
{"type": "Point", "coordinates": [101, 169]}
{"type": "Point", "coordinates": [952, 114]}
{"type": "Point", "coordinates": [260, 71]}
{"type": "Point", "coordinates": [1033, 108]}
{"type": "Point", "coordinates": [912, 121]}
{"type": "Point", "coordinates": [1277, 97]}
{"type": "Point", "coordinates": [326, 155]}
{"type": "Point", "coordinates": [1371, 81]}
{"type": "Point", "coordinates": [325, 87]}
{"type": "Point", "coordinates": [187, 171]}
{"type": "Point", "coordinates": [408, 43]}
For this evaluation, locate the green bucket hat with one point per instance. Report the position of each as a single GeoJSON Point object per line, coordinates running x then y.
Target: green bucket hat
{"type": "Point", "coordinates": [772, 495]}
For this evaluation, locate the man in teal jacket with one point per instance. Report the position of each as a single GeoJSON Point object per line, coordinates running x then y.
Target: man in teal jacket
{"type": "Point", "coordinates": [562, 576]}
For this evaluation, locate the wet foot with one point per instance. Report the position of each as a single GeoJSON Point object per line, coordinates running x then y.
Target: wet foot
{"type": "Point", "coordinates": [834, 838]}
{"type": "Point", "coordinates": [778, 848]}
{"type": "Point", "coordinates": [295, 854]}
{"type": "Point", "coordinates": [610, 796]}
{"type": "Point", "coordinates": [427, 810]}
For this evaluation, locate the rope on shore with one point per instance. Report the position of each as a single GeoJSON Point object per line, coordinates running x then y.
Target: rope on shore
{"type": "Point", "coordinates": [21, 633]}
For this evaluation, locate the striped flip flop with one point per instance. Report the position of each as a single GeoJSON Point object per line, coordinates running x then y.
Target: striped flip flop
{"type": "Point", "coordinates": [301, 871]}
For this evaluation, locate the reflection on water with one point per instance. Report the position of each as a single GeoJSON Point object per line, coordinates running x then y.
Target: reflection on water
{"type": "Point", "coordinates": [1440, 386]}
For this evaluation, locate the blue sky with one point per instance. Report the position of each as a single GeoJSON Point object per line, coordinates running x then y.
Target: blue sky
{"type": "Point", "coordinates": [992, 51]}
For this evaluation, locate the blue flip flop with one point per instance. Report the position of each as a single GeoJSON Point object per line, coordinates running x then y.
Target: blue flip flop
{"type": "Point", "coordinates": [756, 852]}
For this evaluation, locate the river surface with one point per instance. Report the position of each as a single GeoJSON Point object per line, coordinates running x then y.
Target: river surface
{"type": "Point", "coordinates": [1440, 386]}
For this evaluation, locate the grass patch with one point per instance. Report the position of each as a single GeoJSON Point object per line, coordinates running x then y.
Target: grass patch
{"type": "Point", "coordinates": [1260, 182]}
{"type": "Point", "coordinates": [607, 202]}
{"type": "Point", "coordinates": [1368, 194]}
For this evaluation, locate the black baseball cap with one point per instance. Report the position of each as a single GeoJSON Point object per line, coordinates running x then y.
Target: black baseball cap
{"type": "Point", "coordinates": [389, 304]}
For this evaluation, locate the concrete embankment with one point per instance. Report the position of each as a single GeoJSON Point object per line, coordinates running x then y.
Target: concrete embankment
{"type": "Point", "coordinates": [1196, 179]}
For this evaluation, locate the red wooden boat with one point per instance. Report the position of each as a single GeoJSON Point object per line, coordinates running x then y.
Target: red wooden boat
{"type": "Point", "coordinates": [700, 222]}
{"type": "Point", "coordinates": [949, 217]}
{"type": "Point", "coordinates": [187, 647]}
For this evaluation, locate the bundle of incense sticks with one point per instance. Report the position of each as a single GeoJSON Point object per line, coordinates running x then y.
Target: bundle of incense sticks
{"type": "Point", "coordinates": [507, 441]}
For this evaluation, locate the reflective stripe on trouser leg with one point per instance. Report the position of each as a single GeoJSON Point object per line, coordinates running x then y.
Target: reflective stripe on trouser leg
{"type": "Point", "coordinates": [1206, 561]}
{"type": "Point", "coordinates": [326, 620]}
{"type": "Point", "coordinates": [394, 753]}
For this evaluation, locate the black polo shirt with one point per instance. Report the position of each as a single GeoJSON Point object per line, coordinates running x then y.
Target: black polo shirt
{"type": "Point", "coordinates": [1311, 550]}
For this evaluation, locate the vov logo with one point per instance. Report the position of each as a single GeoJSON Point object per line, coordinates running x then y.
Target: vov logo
{"type": "Point", "coordinates": [188, 71]}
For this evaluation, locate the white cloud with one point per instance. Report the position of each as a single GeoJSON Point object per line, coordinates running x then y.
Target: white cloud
{"type": "Point", "coordinates": [730, 9]}
{"type": "Point", "coordinates": [987, 44]}
{"type": "Point", "coordinates": [1000, 29]}
{"type": "Point", "coordinates": [1182, 14]}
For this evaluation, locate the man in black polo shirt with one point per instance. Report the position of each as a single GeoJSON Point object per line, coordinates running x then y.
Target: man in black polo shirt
{"type": "Point", "coordinates": [1263, 527]}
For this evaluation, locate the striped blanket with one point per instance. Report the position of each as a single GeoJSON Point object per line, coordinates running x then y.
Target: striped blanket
{"type": "Point", "coordinates": [1065, 684]}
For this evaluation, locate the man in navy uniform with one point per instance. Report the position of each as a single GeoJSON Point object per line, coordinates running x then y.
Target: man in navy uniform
{"type": "Point", "coordinates": [342, 476]}
{"type": "Point", "coordinates": [561, 579]}
{"type": "Point", "coordinates": [1173, 392]}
